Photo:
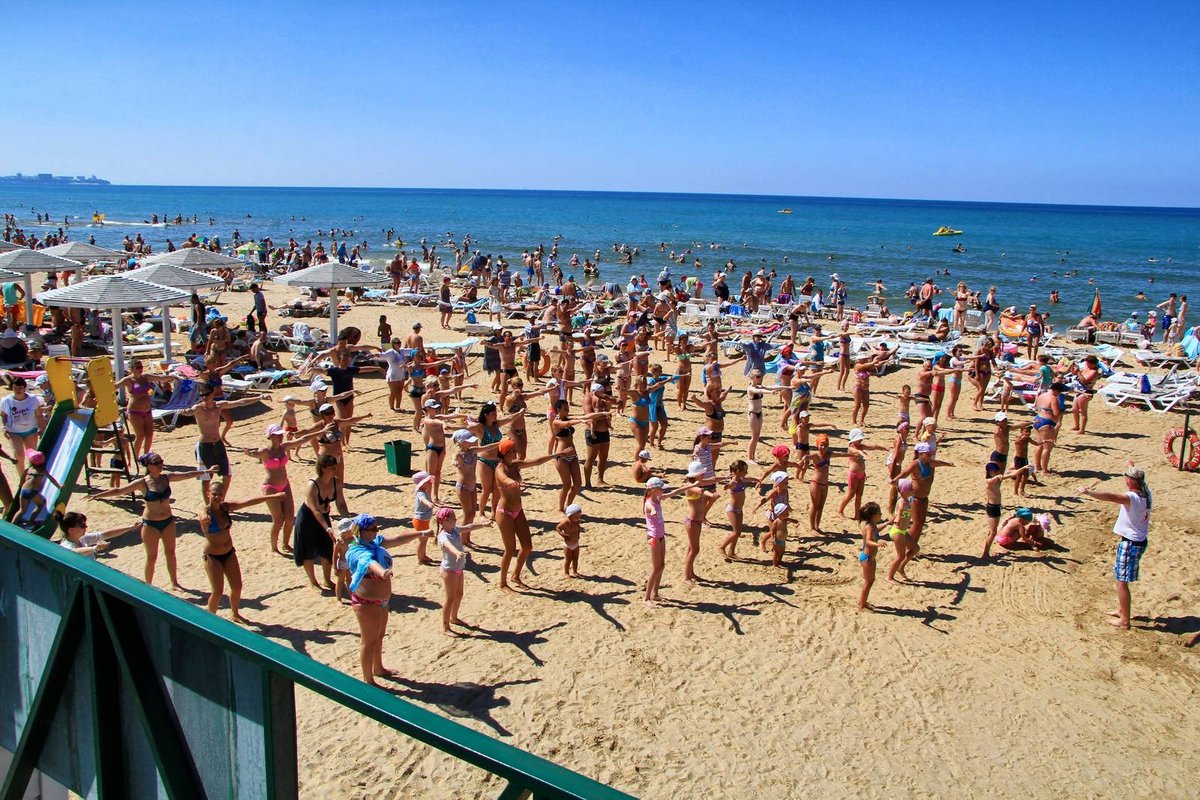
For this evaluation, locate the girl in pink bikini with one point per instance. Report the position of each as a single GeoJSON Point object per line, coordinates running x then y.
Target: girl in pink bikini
{"type": "Point", "coordinates": [856, 473]}
{"type": "Point", "coordinates": [274, 458]}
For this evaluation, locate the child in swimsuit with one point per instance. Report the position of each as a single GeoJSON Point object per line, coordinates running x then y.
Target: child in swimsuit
{"type": "Point", "coordinates": [568, 529]}
{"type": "Point", "coordinates": [1021, 458]}
{"type": "Point", "coordinates": [32, 503]}
{"type": "Point", "coordinates": [778, 519]}
{"type": "Point", "coordinates": [733, 509]}
{"type": "Point", "coordinates": [423, 508]}
{"type": "Point", "coordinates": [454, 562]}
{"type": "Point", "coordinates": [345, 539]}
{"type": "Point", "coordinates": [871, 518]}
{"type": "Point", "coordinates": [656, 533]}
{"type": "Point", "coordinates": [904, 400]}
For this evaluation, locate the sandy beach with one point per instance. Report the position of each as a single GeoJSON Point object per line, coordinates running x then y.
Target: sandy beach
{"type": "Point", "coordinates": [985, 679]}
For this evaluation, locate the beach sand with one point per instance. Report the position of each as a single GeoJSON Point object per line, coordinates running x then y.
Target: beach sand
{"type": "Point", "coordinates": [997, 679]}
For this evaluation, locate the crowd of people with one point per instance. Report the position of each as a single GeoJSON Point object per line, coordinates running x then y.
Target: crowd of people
{"type": "Point", "coordinates": [616, 367]}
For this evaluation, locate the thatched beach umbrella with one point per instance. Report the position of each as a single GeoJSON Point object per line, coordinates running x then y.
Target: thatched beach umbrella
{"type": "Point", "coordinates": [84, 253]}
{"type": "Point", "coordinates": [114, 293]}
{"type": "Point", "coordinates": [28, 262]}
{"type": "Point", "coordinates": [196, 258]}
{"type": "Point", "coordinates": [177, 278]}
{"type": "Point", "coordinates": [332, 276]}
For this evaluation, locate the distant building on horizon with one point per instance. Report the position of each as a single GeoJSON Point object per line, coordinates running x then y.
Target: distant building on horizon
{"type": "Point", "coordinates": [55, 180]}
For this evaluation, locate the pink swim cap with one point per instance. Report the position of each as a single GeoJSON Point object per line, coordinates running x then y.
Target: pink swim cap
{"type": "Point", "coordinates": [780, 451]}
{"type": "Point", "coordinates": [444, 513]}
{"type": "Point", "coordinates": [905, 485]}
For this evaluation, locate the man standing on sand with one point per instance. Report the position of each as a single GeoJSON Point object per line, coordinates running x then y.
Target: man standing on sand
{"type": "Point", "coordinates": [210, 449]}
{"type": "Point", "coordinates": [260, 306]}
{"type": "Point", "coordinates": [1133, 528]}
{"type": "Point", "coordinates": [925, 298]}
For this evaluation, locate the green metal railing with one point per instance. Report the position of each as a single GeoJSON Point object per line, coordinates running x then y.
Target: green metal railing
{"type": "Point", "coordinates": [153, 696]}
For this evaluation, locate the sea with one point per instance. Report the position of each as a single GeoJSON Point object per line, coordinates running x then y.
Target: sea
{"type": "Point", "coordinates": [1024, 250]}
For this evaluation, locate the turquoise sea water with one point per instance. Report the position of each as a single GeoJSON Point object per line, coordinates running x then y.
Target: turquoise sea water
{"type": "Point", "coordinates": [1007, 244]}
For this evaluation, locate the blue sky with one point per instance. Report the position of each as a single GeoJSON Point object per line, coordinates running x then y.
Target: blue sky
{"type": "Point", "coordinates": [1088, 102]}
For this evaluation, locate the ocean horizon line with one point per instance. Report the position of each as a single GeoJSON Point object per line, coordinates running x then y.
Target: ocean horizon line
{"type": "Point", "coordinates": [647, 193]}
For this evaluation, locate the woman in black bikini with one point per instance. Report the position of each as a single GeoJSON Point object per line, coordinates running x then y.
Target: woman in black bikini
{"type": "Point", "coordinates": [562, 430]}
{"type": "Point", "coordinates": [980, 372]}
{"type": "Point", "coordinates": [1086, 376]}
{"type": "Point", "coordinates": [158, 523]}
{"type": "Point", "coordinates": [220, 556]}
{"type": "Point", "coordinates": [714, 412]}
{"type": "Point", "coordinates": [313, 529]}
{"type": "Point", "coordinates": [598, 434]}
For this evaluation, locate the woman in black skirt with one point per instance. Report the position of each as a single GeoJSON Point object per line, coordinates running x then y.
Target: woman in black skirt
{"type": "Point", "coordinates": [314, 533]}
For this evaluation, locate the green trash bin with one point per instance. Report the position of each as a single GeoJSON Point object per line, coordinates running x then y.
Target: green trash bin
{"type": "Point", "coordinates": [399, 457]}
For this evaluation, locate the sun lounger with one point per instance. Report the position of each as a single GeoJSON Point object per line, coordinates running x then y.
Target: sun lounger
{"type": "Point", "coordinates": [466, 345]}
{"type": "Point", "coordinates": [1151, 358]}
{"type": "Point", "coordinates": [184, 396]}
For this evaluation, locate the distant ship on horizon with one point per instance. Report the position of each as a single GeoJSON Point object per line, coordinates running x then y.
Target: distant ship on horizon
{"type": "Point", "coordinates": [56, 180]}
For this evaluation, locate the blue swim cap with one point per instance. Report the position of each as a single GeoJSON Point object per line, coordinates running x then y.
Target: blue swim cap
{"type": "Point", "coordinates": [1024, 513]}
{"type": "Point", "coordinates": [364, 522]}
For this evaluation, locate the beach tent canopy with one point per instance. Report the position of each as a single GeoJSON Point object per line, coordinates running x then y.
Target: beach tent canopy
{"type": "Point", "coordinates": [174, 276]}
{"type": "Point", "coordinates": [28, 261]}
{"type": "Point", "coordinates": [115, 292]}
{"type": "Point", "coordinates": [6, 246]}
{"type": "Point", "coordinates": [196, 258]}
{"type": "Point", "coordinates": [84, 253]}
{"type": "Point", "coordinates": [332, 275]}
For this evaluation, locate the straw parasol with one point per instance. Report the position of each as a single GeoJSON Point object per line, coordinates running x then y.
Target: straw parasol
{"type": "Point", "coordinates": [196, 258]}
{"type": "Point", "coordinates": [332, 275]}
{"type": "Point", "coordinates": [114, 292]}
{"type": "Point", "coordinates": [28, 262]}
{"type": "Point", "coordinates": [177, 278]}
{"type": "Point", "coordinates": [84, 253]}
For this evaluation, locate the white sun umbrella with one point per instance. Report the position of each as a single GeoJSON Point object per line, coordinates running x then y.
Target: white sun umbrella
{"type": "Point", "coordinates": [84, 253]}
{"type": "Point", "coordinates": [113, 292]}
{"type": "Point", "coordinates": [6, 246]}
{"type": "Point", "coordinates": [332, 275]}
{"type": "Point", "coordinates": [196, 258]}
{"type": "Point", "coordinates": [177, 278]}
{"type": "Point", "coordinates": [28, 262]}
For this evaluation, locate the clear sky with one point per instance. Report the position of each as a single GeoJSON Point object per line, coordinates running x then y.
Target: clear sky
{"type": "Point", "coordinates": [1068, 101]}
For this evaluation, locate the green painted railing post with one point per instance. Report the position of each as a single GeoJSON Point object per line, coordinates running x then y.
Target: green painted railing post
{"type": "Point", "coordinates": [111, 780]}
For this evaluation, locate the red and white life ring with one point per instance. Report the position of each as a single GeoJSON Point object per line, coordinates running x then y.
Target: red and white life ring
{"type": "Point", "coordinates": [1169, 442]}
